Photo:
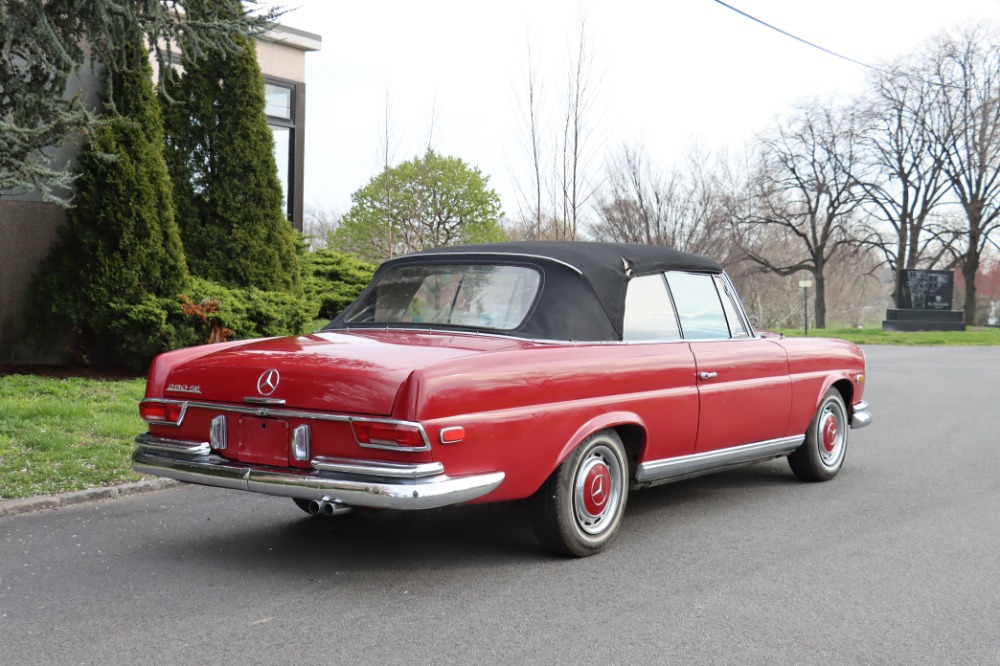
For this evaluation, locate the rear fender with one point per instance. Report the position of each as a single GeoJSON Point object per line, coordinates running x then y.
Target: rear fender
{"type": "Point", "coordinates": [603, 422]}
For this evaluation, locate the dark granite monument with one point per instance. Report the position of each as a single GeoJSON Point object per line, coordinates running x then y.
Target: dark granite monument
{"type": "Point", "coordinates": [927, 299]}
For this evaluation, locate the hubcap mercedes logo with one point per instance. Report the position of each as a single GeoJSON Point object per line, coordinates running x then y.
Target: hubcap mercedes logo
{"type": "Point", "coordinates": [268, 382]}
{"type": "Point", "coordinates": [597, 492]}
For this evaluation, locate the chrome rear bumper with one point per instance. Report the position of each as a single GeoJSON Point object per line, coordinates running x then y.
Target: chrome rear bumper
{"type": "Point", "coordinates": [348, 482]}
{"type": "Point", "coordinates": [861, 415]}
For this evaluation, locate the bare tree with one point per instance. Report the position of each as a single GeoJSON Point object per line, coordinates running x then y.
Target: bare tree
{"type": "Point", "coordinates": [905, 163]}
{"type": "Point", "coordinates": [387, 154]}
{"type": "Point", "coordinates": [563, 183]}
{"type": "Point", "coordinates": [530, 197]}
{"type": "Point", "coordinates": [967, 69]}
{"type": "Point", "coordinates": [576, 185]}
{"type": "Point", "coordinates": [809, 190]}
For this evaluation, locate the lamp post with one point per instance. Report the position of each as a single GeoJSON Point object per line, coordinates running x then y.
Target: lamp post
{"type": "Point", "coordinates": [805, 284]}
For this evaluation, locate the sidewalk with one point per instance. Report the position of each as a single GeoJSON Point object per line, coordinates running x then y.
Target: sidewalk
{"type": "Point", "coordinates": [28, 504]}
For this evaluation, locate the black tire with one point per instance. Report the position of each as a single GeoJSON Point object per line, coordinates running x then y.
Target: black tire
{"type": "Point", "coordinates": [577, 510]}
{"type": "Point", "coordinates": [822, 454]}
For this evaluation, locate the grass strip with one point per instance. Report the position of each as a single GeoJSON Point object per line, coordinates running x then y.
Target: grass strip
{"type": "Point", "coordinates": [58, 435]}
{"type": "Point", "coordinates": [972, 337]}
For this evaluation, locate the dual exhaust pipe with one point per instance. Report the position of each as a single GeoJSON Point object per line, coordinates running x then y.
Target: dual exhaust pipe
{"type": "Point", "coordinates": [328, 507]}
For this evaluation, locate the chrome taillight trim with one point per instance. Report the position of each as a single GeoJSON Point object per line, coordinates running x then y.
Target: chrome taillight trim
{"type": "Point", "coordinates": [182, 403]}
{"type": "Point", "coordinates": [281, 412]}
{"type": "Point", "coordinates": [218, 433]}
{"type": "Point", "coordinates": [377, 468]}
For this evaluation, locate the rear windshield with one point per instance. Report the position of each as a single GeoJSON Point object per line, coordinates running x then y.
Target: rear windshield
{"type": "Point", "coordinates": [473, 295]}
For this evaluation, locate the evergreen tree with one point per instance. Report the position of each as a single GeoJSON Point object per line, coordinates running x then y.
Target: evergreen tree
{"type": "Point", "coordinates": [121, 248]}
{"type": "Point", "coordinates": [43, 45]}
{"type": "Point", "coordinates": [220, 154]}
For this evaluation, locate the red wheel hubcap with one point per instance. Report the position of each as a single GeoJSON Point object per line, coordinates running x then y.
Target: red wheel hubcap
{"type": "Point", "coordinates": [597, 489]}
{"type": "Point", "coordinates": [830, 432]}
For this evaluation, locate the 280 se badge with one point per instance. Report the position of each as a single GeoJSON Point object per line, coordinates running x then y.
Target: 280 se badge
{"type": "Point", "coordinates": [567, 374]}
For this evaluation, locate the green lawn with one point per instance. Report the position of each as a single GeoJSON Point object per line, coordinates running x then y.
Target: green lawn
{"type": "Point", "coordinates": [980, 337]}
{"type": "Point", "coordinates": [66, 434]}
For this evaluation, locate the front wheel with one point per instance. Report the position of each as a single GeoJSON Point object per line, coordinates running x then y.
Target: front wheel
{"type": "Point", "coordinates": [577, 510]}
{"type": "Point", "coordinates": [822, 454]}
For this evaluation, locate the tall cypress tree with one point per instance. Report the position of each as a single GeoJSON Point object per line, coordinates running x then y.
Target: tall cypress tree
{"type": "Point", "coordinates": [121, 245]}
{"type": "Point", "coordinates": [220, 153]}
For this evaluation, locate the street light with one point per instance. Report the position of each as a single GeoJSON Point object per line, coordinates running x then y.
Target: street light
{"type": "Point", "coordinates": [805, 284]}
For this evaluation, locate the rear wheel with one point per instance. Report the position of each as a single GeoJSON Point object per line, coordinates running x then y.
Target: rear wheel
{"type": "Point", "coordinates": [577, 510]}
{"type": "Point", "coordinates": [822, 454]}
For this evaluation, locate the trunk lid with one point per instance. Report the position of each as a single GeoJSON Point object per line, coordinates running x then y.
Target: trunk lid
{"type": "Point", "coordinates": [357, 373]}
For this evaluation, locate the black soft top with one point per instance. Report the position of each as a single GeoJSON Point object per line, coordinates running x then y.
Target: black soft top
{"type": "Point", "coordinates": [583, 291]}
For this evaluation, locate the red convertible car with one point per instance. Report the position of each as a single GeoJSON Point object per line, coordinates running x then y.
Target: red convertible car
{"type": "Point", "coordinates": [565, 373]}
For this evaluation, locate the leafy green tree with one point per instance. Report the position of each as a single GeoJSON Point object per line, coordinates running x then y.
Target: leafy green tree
{"type": "Point", "coordinates": [332, 280]}
{"type": "Point", "coordinates": [220, 154]}
{"type": "Point", "coordinates": [44, 45]}
{"type": "Point", "coordinates": [427, 202]}
{"type": "Point", "coordinates": [121, 250]}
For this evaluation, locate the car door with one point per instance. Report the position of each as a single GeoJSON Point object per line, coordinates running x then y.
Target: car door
{"type": "Point", "coordinates": [669, 406]}
{"type": "Point", "coordinates": [743, 385]}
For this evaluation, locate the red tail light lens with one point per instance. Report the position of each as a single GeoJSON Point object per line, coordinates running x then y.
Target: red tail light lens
{"type": "Point", "coordinates": [169, 413]}
{"type": "Point", "coordinates": [388, 435]}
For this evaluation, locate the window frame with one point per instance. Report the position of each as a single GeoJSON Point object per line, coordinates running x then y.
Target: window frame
{"type": "Point", "coordinates": [295, 123]}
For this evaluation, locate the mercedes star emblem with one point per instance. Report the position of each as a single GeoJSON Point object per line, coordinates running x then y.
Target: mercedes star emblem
{"type": "Point", "coordinates": [268, 382]}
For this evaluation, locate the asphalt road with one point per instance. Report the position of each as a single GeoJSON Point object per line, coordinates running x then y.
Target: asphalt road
{"type": "Point", "coordinates": [896, 561]}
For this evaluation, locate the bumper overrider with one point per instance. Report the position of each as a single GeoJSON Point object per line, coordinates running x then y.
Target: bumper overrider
{"type": "Point", "coordinates": [349, 482]}
{"type": "Point", "coordinates": [861, 415]}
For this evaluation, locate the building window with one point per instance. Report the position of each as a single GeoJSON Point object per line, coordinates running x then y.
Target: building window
{"type": "Point", "coordinates": [283, 105]}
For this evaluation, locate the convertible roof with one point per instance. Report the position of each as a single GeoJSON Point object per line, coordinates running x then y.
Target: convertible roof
{"type": "Point", "coordinates": [593, 259]}
{"type": "Point", "coordinates": [583, 292]}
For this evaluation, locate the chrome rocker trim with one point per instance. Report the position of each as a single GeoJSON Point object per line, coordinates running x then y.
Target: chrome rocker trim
{"type": "Point", "coordinates": [667, 470]}
{"type": "Point", "coordinates": [376, 485]}
{"type": "Point", "coordinates": [861, 415]}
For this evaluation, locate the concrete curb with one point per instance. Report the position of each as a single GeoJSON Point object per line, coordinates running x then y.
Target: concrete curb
{"type": "Point", "coordinates": [30, 504]}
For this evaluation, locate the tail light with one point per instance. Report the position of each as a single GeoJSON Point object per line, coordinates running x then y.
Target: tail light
{"type": "Point", "coordinates": [159, 412]}
{"type": "Point", "coordinates": [382, 435]}
{"type": "Point", "coordinates": [301, 443]}
{"type": "Point", "coordinates": [218, 433]}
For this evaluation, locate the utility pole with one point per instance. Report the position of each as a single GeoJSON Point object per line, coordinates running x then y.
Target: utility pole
{"type": "Point", "coordinates": [805, 284]}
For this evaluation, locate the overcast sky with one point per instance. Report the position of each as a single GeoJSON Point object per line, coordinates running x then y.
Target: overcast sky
{"type": "Point", "coordinates": [673, 73]}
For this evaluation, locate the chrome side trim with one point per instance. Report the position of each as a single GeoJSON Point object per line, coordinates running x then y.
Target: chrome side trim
{"type": "Point", "coordinates": [281, 412]}
{"type": "Point", "coordinates": [861, 415]}
{"type": "Point", "coordinates": [370, 468]}
{"type": "Point", "coordinates": [683, 467]}
{"type": "Point", "coordinates": [381, 493]}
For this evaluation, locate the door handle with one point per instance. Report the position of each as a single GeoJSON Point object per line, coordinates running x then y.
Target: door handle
{"type": "Point", "coordinates": [707, 375]}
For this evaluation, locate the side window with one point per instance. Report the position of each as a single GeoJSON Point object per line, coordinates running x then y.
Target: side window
{"type": "Point", "coordinates": [736, 325]}
{"type": "Point", "coordinates": [698, 306]}
{"type": "Point", "coordinates": [649, 315]}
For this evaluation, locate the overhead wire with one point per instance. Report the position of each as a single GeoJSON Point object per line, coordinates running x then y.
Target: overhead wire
{"type": "Point", "coordinates": [796, 37]}
{"type": "Point", "coordinates": [880, 70]}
